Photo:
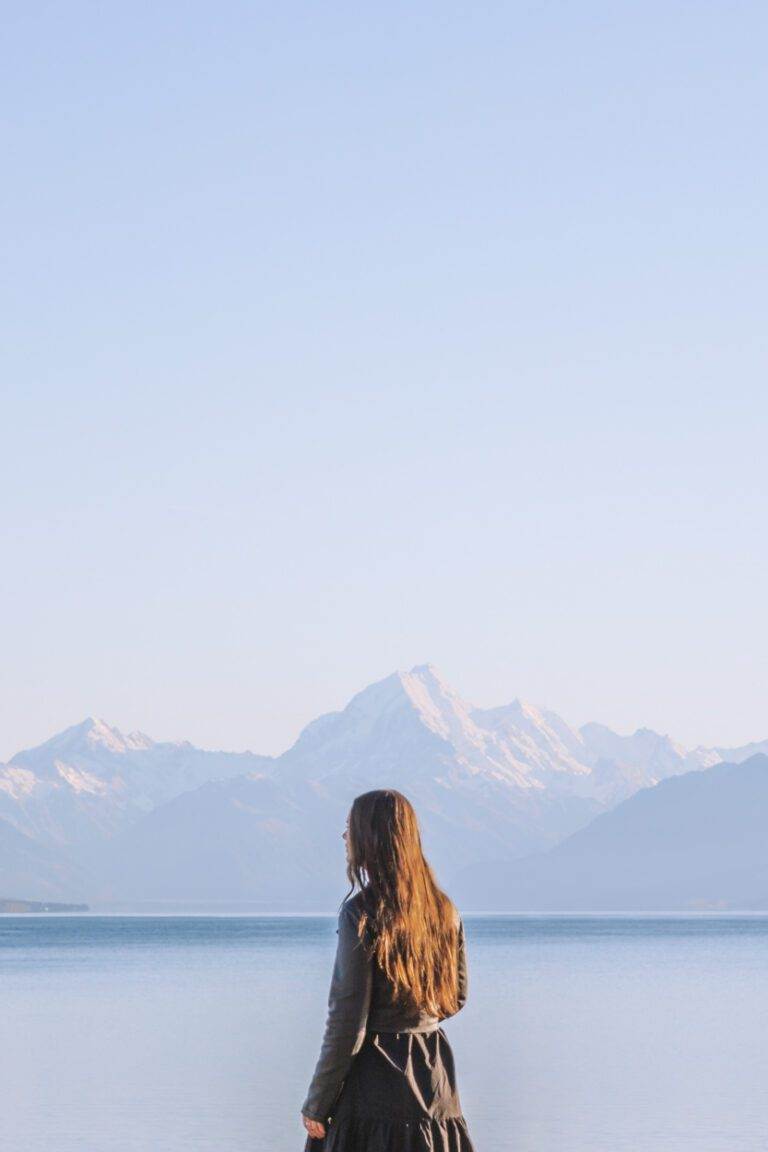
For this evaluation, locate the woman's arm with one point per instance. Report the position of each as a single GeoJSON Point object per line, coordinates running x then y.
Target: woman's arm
{"type": "Point", "coordinates": [348, 1004]}
{"type": "Point", "coordinates": [462, 971]}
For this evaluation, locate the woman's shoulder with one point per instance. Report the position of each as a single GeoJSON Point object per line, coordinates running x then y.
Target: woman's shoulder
{"type": "Point", "coordinates": [352, 907]}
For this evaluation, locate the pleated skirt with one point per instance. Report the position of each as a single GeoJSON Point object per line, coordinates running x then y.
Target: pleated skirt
{"type": "Point", "coordinates": [400, 1095]}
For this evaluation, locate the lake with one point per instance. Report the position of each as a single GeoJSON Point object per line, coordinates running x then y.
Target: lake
{"type": "Point", "coordinates": [200, 1033]}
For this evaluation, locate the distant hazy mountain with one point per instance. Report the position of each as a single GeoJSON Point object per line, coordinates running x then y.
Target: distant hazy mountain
{"type": "Point", "coordinates": [90, 780]}
{"type": "Point", "coordinates": [697, 841]}
{"type": "Point", "coordinates": [170, 821]}
{"type": "Point", "coordinates": [29, 869]}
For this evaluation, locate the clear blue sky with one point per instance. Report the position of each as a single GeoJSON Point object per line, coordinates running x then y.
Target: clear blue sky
{"type": "Point", "coordinates": [338, 338]}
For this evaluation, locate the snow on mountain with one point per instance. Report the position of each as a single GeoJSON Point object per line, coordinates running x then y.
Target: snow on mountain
{"type": "Point", "coordinates": [737, 755]}
{"type": "Point", "coordinates": [623, 764]}
{"type": "Point", "coordinates": [411, 731]}
{"type": "Point", "coordinates": [411, 724]}
{"type": "Point", "coordinates": [90, 780]}
{"type": "Point", "coordinates": [404, 721]}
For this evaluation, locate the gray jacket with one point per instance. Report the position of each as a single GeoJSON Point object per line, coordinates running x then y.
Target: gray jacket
{"type": "Point", "coordinates": [360, 1000]}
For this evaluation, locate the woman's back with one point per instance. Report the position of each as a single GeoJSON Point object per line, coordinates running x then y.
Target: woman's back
{"type": "Point", "coordinates": [385, 1012]}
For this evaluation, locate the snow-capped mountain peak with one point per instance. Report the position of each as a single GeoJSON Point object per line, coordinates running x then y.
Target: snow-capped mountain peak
{"type": "Point", "coordinates": [89, 736]}
{"type": "Point", "coordinates": [92, 778]}
{"type": "Point", "coordinates": [102, 734]}
{"type": "Point", "coordinates": [439, 706]}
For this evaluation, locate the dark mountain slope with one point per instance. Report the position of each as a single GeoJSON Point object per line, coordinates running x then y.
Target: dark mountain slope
{"type": "Point", "coordinates": [694, 841]}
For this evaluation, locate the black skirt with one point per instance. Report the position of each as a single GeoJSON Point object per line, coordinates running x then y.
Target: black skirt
{"type": "Point", "coordinates": [400, 1095]}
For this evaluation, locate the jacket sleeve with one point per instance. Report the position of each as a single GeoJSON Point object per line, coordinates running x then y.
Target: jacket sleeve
{"type": "Point", "coordinates": [349, 1001]}
{"type": "Point", "coordinates": [462, 971]}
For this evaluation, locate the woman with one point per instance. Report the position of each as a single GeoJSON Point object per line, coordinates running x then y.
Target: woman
{"type": "Point", "coordinates": [385, 1080]}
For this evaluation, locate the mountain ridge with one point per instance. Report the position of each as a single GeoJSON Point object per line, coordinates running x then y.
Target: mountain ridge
{"type": "Point", "coordinates": [488, 784]}
{"type": "Point", "coordinates": [692, 842]}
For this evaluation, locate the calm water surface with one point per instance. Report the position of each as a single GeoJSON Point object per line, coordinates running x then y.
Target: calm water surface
{"type": "Point", "coordinates": [200, 1034]}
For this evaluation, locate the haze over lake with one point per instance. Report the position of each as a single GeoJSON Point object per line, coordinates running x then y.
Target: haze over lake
{"type": "Point", "coordinates": [588, 1033]}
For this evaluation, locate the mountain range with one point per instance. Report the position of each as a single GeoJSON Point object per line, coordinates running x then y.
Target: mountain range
{"type": "Point", "coordinates": [94, 814]}
{"type": "Point", "coordinates": [696, 841]}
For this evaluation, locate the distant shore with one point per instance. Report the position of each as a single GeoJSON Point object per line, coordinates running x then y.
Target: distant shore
{"type": "Point", "coordinates": [14, 907]}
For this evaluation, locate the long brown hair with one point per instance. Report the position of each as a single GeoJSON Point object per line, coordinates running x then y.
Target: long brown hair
{"type": "Point", "coordinates": [407, 921]}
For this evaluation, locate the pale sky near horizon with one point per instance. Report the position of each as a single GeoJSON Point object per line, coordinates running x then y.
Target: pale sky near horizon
{"type": "Point", "coordinates": [342, 338]}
